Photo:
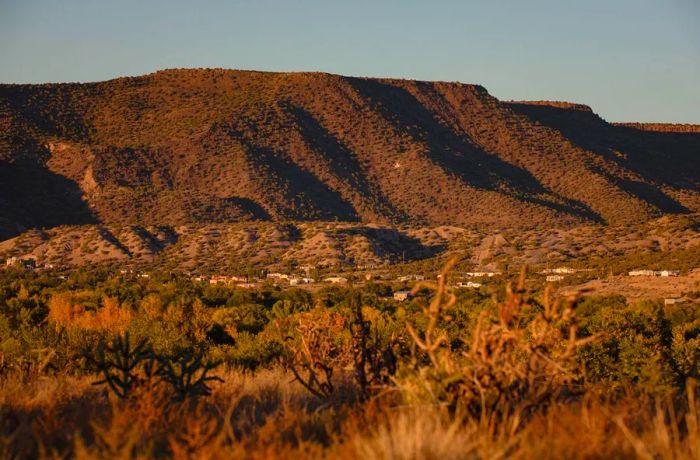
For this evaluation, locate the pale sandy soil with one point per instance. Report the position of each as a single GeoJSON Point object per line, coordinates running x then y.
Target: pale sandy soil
{"type": "Point", "coordinates": [639, 287]}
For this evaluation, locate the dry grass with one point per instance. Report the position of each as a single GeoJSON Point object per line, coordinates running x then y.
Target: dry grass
{"type": "Point", "coordinates": [267, 415]}
{"type": "Point", "coordinates": [507, 396]}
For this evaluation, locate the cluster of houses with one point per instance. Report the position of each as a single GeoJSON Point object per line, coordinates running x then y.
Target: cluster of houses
{"type": "Point", "coordinates": [275, 277]}
{"type": "Point", "coordinates": [401, 296]}
{"type": "Point", "coordinates": [476, 274]}
{"type": "Point", "coordinates": [482, 274]}
{"type": "Point", "coordinates": [17, 262]}
{"type": "Point", "coordinates": [557, 274]}
{"type": "Point", "coordinates": [22, 262]}
{"type": "Point", "coordinates": [299, 280]}
{"type": "Point", "coordinates": [136, 273]}
{"type": "Point", "coordinates": [469, 284]}
{"type": "Point", "coordinates": [230, 280]}
{"type": "Point", "coordinates": [406, 278]}
{"type": "Point", "coordinates": [664, 273]}
{"type": "Point", "coordinates": [27, 263]}
{"type": "Point", "coordinates": [336, 280]}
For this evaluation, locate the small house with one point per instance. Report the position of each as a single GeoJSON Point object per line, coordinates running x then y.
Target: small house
{"type": "Point", "coordinates": [469, 284]}
{"type": "Point", "coordinates": [297, 281]}
{"type": "Point", "coordinates": [336, 280]}
{"type": "Point", "coordinates": [642, 273]}
{"type": "Point", "coordinates": [482, 274]}
{"type": "Point", "coordinates": [558, 271]}
{"type": "Point", "coordinates": [554, 278]}
{"type": "Point", "coordinates": [25, 263]}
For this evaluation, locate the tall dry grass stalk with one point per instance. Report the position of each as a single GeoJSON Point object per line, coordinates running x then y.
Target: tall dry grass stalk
{"type": "Point", "coordinates": [268, 415]}
{"type": "Point", "coordinates": [430, 432]}
{"type": "Point", "coordinates": [670, 435]}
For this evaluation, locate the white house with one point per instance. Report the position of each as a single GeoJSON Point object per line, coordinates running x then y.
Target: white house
{"type": "Point", "coordinates": [296, 281]}
{"type": "Point", "coordinates": [554, 278]}
{"type": "Point", "coordinates": [469, 284]}
{"type": "Point", "coordinates": [224, 279]}
{"type": "Point", "coordinates": [558, 271]}
{"type": "Point", "coordinates": [26, 263]}
{"type": "Point", "coordinates": [402, 295]}
{"type": "Point", "coordinates": [487, 274]}
{"type": "Point", "coordinates": [411, 278]}
{"type": "Point", "coordinates": [642, 273]}
{"type": "Point", "coordinates": [336, 280]}
{"type": "Point", "coordinates": [247, 285]}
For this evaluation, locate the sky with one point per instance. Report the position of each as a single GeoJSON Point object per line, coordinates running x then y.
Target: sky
{"type": "Point", "coordinates": [630, 60]}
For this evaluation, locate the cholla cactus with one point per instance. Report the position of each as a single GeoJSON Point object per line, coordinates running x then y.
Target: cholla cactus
{"type": "Point", "coordinates": [375, 363]}
{"type": "Point", "coordinates": [122, 366]}
{"type": "Point", "coordinates": [315, 348]}
{"type": "Point", "coordinates": [516, 361]}
{"type": "Point", "coordinates": [125, 368]}
{"type": "Point", "coordinates": [188, 375]}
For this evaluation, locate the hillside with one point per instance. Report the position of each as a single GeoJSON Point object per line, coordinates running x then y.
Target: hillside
{"type": "Point", "coordinates": [231, 247]}
{"type": "Point", "coordinates": [212, 146]}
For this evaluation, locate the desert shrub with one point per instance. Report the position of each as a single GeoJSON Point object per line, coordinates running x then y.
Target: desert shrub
{"type": "Point", "coordinates": [377, 289]}
{"type": "Point", "coordinates": [249, 351]}
{"type": "Point", "coordinates": [641, 344]}
{"type": "Point", "coordinates": [316, 344]}
{"type": "Point", "coordinates": [517, 361]}
{"type": "Point", "coordinates": [66, 310]}
{"type": "Point", "coordinates": [323, 342]}
{"type": "Point", "coordinates": [373, 349]}
{"type": "Point", "coordinates": [287, 307]}
{"type": "Point", "coordinates": [165, 334]}
{"type": "Point", "coordinates": [178, 327]}
{"type": "Point", "coordinates": [248, 317]}
{"type": "Point", "coordinates": [299, 299]}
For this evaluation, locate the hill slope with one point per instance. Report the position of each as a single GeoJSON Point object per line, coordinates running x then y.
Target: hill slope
{"type": "Point", "coordinates": [210, 146]}
{"type": "Point", "coordinates": [231, 247]}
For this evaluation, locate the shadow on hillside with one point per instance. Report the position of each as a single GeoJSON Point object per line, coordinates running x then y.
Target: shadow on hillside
{"type": "Point", "coordinates": [396, 245]}
{"type": "Point", "coordinates": [343, 163]}
{"type": "Point", "coordinates": [230, 209]}
{"type": "Point", "coordinates": [305, 196]}
{"type": "Point", "coordinates": [456, 154]}
{"type": "Point", "coordinates": [248, 206]}
{"type": "Point", "coordinates": [648, 193]}
{"type": "Point", "coordinates": [653, 195]}
{"type": "Point", "coordinates": [664, 158]}
{"type": "Point", "coordinates": [108, 236]}
{"type": "Point", "coordinates": [54, 113]}
{"type": "Point", "coordinates": [34, 197]}
{"type": "Point", "coordinates": [158, 238]}
{"type": "Point", "coordinates": [668, 158]}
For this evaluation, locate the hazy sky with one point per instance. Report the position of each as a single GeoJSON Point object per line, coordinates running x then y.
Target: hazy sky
{"type": "Point", "coordinates": [629, 59]}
